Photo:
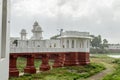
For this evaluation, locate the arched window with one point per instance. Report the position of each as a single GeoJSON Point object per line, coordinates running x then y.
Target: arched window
{"type": "Point", "coordinates": [63, 46]}
{"type": "Point", "coordinates": [38, 46]}
{"type": "Point", "coordinates": [72, 43]}
{"type": "Point", "coordinates": [80, 45]}
{"type": "Point", "coordinates": [87, 43]}
{"type": "Point", "coordinates": [67, 43]}
{"type": "Point", "coordinates": [50, 46]}
{"type": "Point", "coordinates": [27, 42]}
{"type": "Point", "coordinates": [55, 45]}
{"type": "Point", "coordinates": [33, 43]}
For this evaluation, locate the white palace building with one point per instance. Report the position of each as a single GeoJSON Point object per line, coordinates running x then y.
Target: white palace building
{"type": "Point", "coordinates": [65, 42]}
{"type": "Point", "coordinates": [70, 48]}
{"type": "Point", "coordinates": [73, 45]}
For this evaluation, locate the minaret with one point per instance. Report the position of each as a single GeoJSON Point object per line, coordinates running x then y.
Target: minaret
{"type": "Point", "coordinates": [37, 31]}
{"type": "Point", "coordinates": [23, 34]}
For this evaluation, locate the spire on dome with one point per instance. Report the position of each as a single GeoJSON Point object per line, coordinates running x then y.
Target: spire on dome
{"type": "Point", "coordinates": [36, 27]}
{"type": "Point", "coordinates": [23, 31]}
{"type": "Point", "coordinates": [35, 23]}
{"type": "Point", "coordinates": [23, 34]}
{"type": "Point", "coordinates": [37, 31]}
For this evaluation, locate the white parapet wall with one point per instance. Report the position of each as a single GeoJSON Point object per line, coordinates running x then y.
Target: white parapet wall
{"type": "Point", "coordinates": [39, 50]}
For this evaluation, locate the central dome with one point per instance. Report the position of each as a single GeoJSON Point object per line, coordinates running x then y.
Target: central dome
{"type": "Point", "coordinates": [37, 31]}
{"type": "Point", "coordinates": [36, 27]}
{"type": "Point", "coordinates": [23, 31]}
{"type": "Point", "coordinates": [35, 23]}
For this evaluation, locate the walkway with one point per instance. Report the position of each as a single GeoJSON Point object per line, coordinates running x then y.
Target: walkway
{"type": "Point", "coordinates": [102, 74]}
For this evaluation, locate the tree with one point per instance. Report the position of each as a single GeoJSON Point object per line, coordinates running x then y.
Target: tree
{"type": "Point", "coordinates": [15, 42]}
{"type": "Point", "coordinates": [99, 39]}
{"type": "Point", "coordinates": [98, 44]}
{"type": "Point", "coordinates": [96, 41]}
{"type": "Point", "coordinates": [105, 43]}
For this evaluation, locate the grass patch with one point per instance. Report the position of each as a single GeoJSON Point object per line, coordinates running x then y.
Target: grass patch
{"type": "Point", "coordinates": [116, 74]}
{"type": "Point", "coordinates": [64, 73]}
{"type": "Point", "coordinates": [21, 64]}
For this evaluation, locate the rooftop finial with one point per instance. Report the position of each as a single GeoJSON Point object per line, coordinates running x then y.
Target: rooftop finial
{"type": "Point", "coordinates": [35, 23]}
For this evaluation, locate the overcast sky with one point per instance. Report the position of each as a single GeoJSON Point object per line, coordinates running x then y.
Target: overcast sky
{"type": "Point", "coordinates": [94, 16]}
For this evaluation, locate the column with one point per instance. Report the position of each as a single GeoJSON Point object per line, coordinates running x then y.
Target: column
{"type": "Point", "coordinates": [70, 43]}
{"type": "Point", "coordinates": [13, 71]}
{"type": "Point", "coordinates": [71, 59]}
{"type": "Point", "coordinates": [65, 43]}
{"type": "Point", "coordinates": [62, 58]}
{"type": "Point", "coordinates": [58, 62]}
{"type": "Point", "coordinates": [85, 43]}
{"type": "Point", "coordinates": [30, 68]}
{"type": "Point", "coordinates": [83, 58]}
{"type": "Point", "coordinates": [75, 43]}
{"type": "Point", "coordinates": [45, 65]}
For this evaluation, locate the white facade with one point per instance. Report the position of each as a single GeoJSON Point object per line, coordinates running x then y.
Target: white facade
{"type": "Point", "coordinates": [4, 40]}
{"type": "Point", "coordinates": [68, 41]}
{"type": "Point", "coordinates": [114, 46]}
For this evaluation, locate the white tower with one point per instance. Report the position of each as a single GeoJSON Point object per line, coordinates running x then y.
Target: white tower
{"type": "Point", "coordinates": [23, 34]}
{"type": "Point", "coordinates": [37, 31]}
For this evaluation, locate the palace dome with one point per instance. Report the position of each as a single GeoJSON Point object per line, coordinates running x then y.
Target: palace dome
{"type": "Point", "coordinates": [36, 27]}
{"type": "Point", "coordinates": [23, 31]}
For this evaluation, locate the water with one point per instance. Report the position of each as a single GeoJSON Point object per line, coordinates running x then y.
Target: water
{"type": "Point", "coordinates": [114, 56]}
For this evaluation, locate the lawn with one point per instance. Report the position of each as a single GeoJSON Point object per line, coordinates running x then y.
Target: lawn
{"type": "Point", "coordinates": [64, 73]}
{"type": "Point", "coordinates": [111, 63]}
{"type": "Point", "coordinates": [116, 73]}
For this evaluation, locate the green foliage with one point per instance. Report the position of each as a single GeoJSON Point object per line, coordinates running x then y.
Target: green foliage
{"type": "Point", "coordinates": [98, 46]}
{"type": "Point", "coordinates": [15, 42]}
{"type": "Point", "coordinates": [100, 50]}
{"type": "Point", "coordinates": [21, 63]}
{"type": "Point", "coordinates": [105, 43]}
{"type": "Point", "coordinates": [116, 74]}
{"type": "Point", "coordinates": [65, 73]}
{"type": "Point", "coordinates": [116, 61]}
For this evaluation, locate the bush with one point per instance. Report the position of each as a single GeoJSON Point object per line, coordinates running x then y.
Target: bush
{"type": "Point", "coordinates": [117, 61]}
{"type": "Point", "coordinates": [116, 74]}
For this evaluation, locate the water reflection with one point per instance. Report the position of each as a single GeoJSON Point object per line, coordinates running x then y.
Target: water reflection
{"type": "Point", "coordinates": [114, 56]}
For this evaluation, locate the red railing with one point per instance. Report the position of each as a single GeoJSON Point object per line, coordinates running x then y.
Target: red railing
{"type": "Point", "coordinates": [60, 60]}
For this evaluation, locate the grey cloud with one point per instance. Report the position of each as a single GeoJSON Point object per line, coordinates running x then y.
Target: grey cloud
{"type": "Point", "coordinates": [62, 2]}
{"type": "Point", "coordinates": [100, 22]}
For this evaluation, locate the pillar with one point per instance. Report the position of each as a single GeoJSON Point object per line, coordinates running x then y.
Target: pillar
{"type": "Point", "coordinates": [30, 68]}
{"type": "Point", "coordinates": [13, 71]}
{"type": "Point", "coordinates": [58, 62]}
{"type": "Point", "coordinates": [83, 58]}
{"type": "Point", "coordinates": [45, 65]}
{"type": "Point", "coordinates": [62, 58]}
{"type": "Point", "coordinates": [71, 59]}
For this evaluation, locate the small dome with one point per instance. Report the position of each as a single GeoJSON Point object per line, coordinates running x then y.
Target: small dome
{"type": "Point", "coordinates": [35, 23]}
{"type": "Point", "coordinates": [38, 29]}
{"type": "Point", "coordinates": [23, 31]}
